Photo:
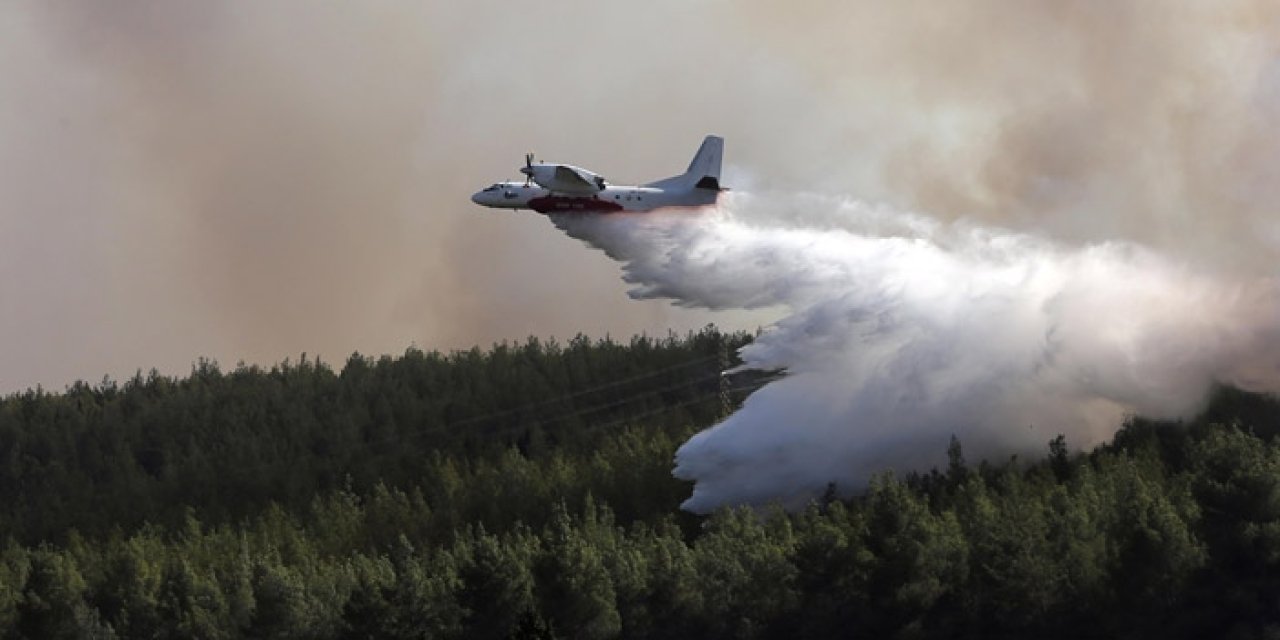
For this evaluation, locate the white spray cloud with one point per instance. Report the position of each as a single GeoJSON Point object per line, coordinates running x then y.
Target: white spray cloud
{"type": "Point", "coordinates": [901, 331]}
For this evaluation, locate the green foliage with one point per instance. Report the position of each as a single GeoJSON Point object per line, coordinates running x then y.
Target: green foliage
{"type": "Point", "coordinates": [225, 445]}
{"type": "Point", "coordinates": [496, 583]}
{"type": "Point", "coordinates": [525, 492]}
{"type": "Point", "coordinates": [744, 573]}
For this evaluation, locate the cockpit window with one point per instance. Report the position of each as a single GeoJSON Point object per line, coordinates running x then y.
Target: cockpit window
{"type": "Point", "coordinates": [492, 187]}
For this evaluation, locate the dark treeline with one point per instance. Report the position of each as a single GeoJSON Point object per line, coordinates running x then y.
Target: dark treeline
{"type": "Point", "coordinates": [226, 445]}
{"type": "Point", "coordinates": [526, 492]}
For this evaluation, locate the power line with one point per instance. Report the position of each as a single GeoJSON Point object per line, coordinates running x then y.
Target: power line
{"type": "Point", "coordinates": [702, 398]}
{"type": "Point", "coordinates": [558, 399]}
{"type": "Point", "coordinates": [401, 436]}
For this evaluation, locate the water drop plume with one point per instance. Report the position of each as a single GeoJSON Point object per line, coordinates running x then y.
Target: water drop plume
{"type": "Point", "coordinates": [899, 331]}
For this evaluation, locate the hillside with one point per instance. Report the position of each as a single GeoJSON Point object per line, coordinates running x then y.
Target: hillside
{"type": "Point", "coordinates": [525, 491]}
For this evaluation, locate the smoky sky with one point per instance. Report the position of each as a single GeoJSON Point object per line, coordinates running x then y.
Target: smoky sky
{"type": "Point", "coordinates": [249, 181]}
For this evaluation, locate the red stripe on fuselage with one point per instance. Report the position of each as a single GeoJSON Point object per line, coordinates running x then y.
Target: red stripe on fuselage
{"type": "Point", "coordinates": [567, 204]}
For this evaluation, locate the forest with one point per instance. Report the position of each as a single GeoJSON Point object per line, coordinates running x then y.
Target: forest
{"type": "Point", "coordinates": [525, 491]}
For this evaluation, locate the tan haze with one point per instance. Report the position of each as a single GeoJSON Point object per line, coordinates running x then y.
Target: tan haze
{"type": "Point", "coordinates": [1150, 121]}
{"type": "Point", "coordinates": [248, 181]}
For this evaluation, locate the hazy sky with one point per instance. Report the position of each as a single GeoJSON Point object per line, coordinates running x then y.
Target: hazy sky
{"type": "Point", "coordinates": [248, 181]}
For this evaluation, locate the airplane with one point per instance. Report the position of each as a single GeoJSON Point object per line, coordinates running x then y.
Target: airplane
{"type": "Point", "coordinates": [564, 188]}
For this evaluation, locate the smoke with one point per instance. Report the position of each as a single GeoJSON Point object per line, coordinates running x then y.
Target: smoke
{"type": "Point", "coordinates": [901, 331]}
{"type": "Point", "coordinates": [248, 180]}
{"type": "Point", "coordinates": [1099, 184]}
{"type": "Point", "coordinates": [1084, 121]}
{"type": "Point", "coordinates": [187, 181]}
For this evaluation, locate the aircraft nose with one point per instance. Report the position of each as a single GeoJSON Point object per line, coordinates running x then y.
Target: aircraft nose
{"type": "Point", "coordinates": [475, 197]}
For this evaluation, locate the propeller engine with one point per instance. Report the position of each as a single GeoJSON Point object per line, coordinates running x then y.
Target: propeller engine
{"type": "Point", "coordinates": [527, 169]}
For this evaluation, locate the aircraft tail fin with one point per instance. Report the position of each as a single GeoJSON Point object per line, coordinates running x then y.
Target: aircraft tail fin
{"type": "Point", "coordinates": [704, 170]}
{"type": "Point", "coordinates": [705, 167]}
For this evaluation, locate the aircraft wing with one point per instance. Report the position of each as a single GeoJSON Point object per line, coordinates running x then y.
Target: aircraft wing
{"type": "Point", "coordinates": [570, 179]}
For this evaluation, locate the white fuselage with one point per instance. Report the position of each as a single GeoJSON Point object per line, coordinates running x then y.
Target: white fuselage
{"type": "Point", "coordinates": [518, 195]}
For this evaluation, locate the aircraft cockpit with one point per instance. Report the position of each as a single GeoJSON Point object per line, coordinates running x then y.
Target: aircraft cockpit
{"type": "Point", "coordinates": [508, 190]}
{"type": "Point", "coordinates": [504, 194]}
